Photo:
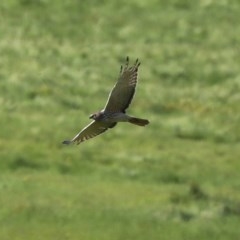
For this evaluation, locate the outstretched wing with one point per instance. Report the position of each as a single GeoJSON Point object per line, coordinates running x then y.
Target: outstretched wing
{"type": "Point", "coordinates": [122, 93]}
{"type": "Point", "coordinates": [91, 130]}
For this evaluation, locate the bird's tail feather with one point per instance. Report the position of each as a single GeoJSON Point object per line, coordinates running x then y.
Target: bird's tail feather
{"type": "Point", "coordinates": [138, 121]}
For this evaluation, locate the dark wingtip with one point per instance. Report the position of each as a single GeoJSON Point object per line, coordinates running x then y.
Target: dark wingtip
{"type": "Point", "coordinates": [121, 68]}
{"type": "Point", "coordinates": [67, 142]}
{"type": "Point", "coordinates": [127, 61]}
{"type": "Point", "coordinates": [137, 63]}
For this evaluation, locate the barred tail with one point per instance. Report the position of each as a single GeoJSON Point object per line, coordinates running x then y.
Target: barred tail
{"type": "Point", "coordinates": [138, 121]}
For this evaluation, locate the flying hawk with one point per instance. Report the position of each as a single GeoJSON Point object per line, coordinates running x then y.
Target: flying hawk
{"type": "Point", "coordinates": [114, 111]}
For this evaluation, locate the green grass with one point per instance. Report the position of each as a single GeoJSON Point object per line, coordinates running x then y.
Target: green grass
{"type": "Point", "coordinates": [177, 178]}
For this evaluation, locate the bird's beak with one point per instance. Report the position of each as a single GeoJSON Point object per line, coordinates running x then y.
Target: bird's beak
{"type": "Point", "coordinates": [91, 116]}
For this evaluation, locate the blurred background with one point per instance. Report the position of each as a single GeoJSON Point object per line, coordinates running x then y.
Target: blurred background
{"type": "Point", "coordinates": [177, 178]}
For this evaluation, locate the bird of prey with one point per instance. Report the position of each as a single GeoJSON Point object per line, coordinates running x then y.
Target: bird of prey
{"type": "Point", "coordinates": [114, 111]}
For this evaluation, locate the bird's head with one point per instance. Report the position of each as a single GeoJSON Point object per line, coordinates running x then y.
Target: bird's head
{"type": "Point", "coordinates": [97, 115]}
{"type": "Point", "coordinates": [94, 116]}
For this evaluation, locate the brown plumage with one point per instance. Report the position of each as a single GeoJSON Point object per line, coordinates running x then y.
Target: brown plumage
{"type": "Point", "coordinates": [115, 109]}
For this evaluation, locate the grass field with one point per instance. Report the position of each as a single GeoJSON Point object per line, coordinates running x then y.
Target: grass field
{"type": "Point", "coordinates": [177, 178]}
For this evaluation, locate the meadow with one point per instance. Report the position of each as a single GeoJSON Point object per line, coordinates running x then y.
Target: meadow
{"type": "Point", "coordinates": [177, 178]}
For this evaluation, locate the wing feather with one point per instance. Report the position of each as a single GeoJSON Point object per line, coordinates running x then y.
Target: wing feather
{"type": "Point", "coordinates": [122, 93]}
{"type": "Point", "coordinates": [91, 130]}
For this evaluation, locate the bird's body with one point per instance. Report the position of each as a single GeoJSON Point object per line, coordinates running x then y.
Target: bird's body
{"type": "Point", "coordinates": [114, 117]}
{"type": "Point", "coordinates": [105, 116]}
{"type": "Point", "coordinates": [115, 110]}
